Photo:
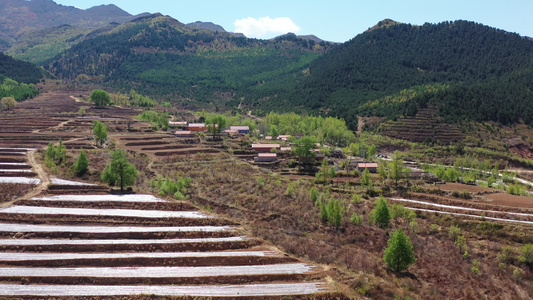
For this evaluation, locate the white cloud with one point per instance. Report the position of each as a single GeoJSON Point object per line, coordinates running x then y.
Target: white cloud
{"type": "Point", "coordinates": [266, 26]}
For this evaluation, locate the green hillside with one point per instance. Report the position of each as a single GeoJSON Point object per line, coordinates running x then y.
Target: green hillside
{"type": "Point", "coordinates": [394, 57]}
{"type": "Point", "coordinates": [17, 78]}
{"type": "Point", "coordinates": [160, 56]}
{"type": "Point", "coordinates": [42, 45]}
{"type": "Point", "coordinates": [467, 70]}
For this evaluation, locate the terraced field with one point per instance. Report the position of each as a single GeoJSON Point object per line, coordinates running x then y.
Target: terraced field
{"type": "Point", "coordinates": [14, 168]}
{"type": "Point", "coordinates": [425, 126]}
{"type": "Point", "coordinates": [107, 245]}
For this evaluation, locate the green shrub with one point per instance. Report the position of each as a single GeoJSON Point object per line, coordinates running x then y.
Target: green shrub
{"type": "Point", "coordinates": [526, 254]}
{"type": "Point", "coordinates": [433, 229]}
{"type": "Point", "coordinates": [356, 219]}
{"type": "Point", "coordinates": [381, 213]}
{"type": "Point", "coordinates": [331, 212]}
{"type": "Point", "coordinates": [453, 232]}
{"type": "Point", "coordinates": [313, 194]}
{"type": "Point", "coordinates": [168, 187]}
{"type": "Point", "coordinates": [82, 164]}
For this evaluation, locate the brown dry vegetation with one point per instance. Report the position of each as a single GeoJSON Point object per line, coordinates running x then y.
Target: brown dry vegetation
{"type": "Point", "coordinates": [277, 208]}
{"type": "Point", "coordinates": [290, 221]}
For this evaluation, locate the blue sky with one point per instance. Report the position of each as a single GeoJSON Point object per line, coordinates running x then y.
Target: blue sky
{"type": "Point", "coordinates": [333, 20]}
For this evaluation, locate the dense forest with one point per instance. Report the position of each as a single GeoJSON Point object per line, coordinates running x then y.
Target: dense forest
{"type": "Point", "coordinates": [18, 70]}
{"type": "Point", "coordinates": [17, 78]}
{"type": "Point", "coordinates": [467, 70]}
{"type": "Point", "coordinates": [162, 57]}
{"type": "Point", "coordinates": [388, 59]}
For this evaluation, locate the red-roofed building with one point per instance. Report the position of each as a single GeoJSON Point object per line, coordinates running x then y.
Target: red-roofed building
{"type": "Point", "coordinates": [265, 147]}
{"type": "Point", "coordinates": [372, 167]}
{"type": "Point", "coordinates": [197, 127]}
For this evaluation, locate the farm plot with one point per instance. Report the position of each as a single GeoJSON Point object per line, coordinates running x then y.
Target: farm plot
{"type": "Point", "coordinates": [472, 210]}
{"type": "Point", "coordinates": [160, 146]}
{"type": "Point", "coordinates": [13, 167]}
{"type": "Point", "coordinates": [74, 244]}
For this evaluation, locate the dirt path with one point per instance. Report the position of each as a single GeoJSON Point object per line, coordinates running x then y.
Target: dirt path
{"type": "Point", "coordinates": [38, 168]}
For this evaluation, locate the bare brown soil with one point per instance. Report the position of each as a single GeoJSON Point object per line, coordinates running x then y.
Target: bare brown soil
{"type": "Point", "coordinates": [511, 200]}
{"type": "Point", "coordinates": [146, 262]}
{"type": "Point", "coordinates": [353, 253]}
{"type": "Point", "coordinates": [453, 186]}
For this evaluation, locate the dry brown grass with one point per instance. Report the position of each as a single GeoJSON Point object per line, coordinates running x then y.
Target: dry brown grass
{"type": "Point", "coordinates": [291, 222]}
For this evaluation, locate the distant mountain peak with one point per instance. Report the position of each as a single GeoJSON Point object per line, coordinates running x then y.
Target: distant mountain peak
{"type": "Point", "coordinates": [386, 23]}
{"type": "Point", "coordinates": [213, 27]}
{"type": "Point", "coordinates": [109, 9]}
{"type": "Point", "coordinates": [207, 26]}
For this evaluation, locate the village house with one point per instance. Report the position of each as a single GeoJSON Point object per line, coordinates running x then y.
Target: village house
{"type": "Point", "coordinates": [178, 124]}
{"type": "Point", "coordinates": [265, 147]}
{"type": "Point", "coordinates": [241, 129]}
{"type": "Point", "coordinates": [372, 167]}
{"type": "Point", "coordinates": [197, 127]}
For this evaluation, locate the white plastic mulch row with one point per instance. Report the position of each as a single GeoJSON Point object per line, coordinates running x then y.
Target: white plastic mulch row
{"type": "Point", "coordinates": [39, 210]}
{"type": "Point", "coordinates": [16, 170]}
{"type": "Point", "coordinates": [68, 182]}
{"type": "Point", "coordinates": [43, 242]}
{"type": "Point", "coordinates": [159, 272]}
{"type": "Point", "coordinates": [22, 180]}
{"type": "Point", "coordinates": [473, 216]}
{"type": "Point", "coordinates": [22, 256]}
{"type": "Point", "coordinates": [461, 207]}
{"type": "Point", "coordinates": [12, 153]}
{"type": "Point", "coordinates": [269, 289]}
{"type": "Point", "coordinates": [19, 149]}
{"type": "Point", "coordinates": [6, 227]}
{"type": "Point", "coordinates": [103, 198]}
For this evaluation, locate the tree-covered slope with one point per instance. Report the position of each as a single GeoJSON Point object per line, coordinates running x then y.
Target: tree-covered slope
{"type": "Point", "coordinates": [160, 56]}
{"type": "Point", "coordinates": [17, 78]}
{"type": "Point", "coordinates": [42, 45]}
{"type": "Point", "coordinates": [18, 70]}
{"type": "Point", "coordinates": [393, 57]}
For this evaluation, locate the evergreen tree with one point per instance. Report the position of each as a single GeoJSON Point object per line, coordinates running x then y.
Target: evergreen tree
{"type": "Point", "coordinates": [366, 179]}
{"type": "Point", "coordinates": [100, 132]}
{"type": "Point", "coordinates": [119, 171]}
{"type": "Point", "coordinates": [82, 163]}
{"type": "Point", "coordinates": [399, 254]}
{"type": "Point", "coordinates": [381, 213]}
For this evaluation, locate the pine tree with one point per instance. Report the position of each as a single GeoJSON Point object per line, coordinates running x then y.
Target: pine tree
{"type": "Point", "coordinates": [399, 254]}
{"type": "Point", "coordinates": [119, 171]}
{"type": "Point", "coordinates": [366, 179]}
{"type": "Point", "coordinates": [100, 132]}
{"type": "Point", "coordinates": [82, 163]}
{"type": "Point", "coordinates": [381, 213]}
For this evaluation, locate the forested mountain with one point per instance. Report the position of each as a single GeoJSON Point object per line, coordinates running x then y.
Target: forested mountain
{"type": "Point", "coordinates": [42, 45]}
{"type": "Point", "coordinates": [212, 26]}
{"type": "Point", "coordinates": [467, 70]}
{"type": "Point", "coordinates": [19, 71]}
{"type": "Point", "coordinates": [18, 17]}
{"type": "Point", "coordinates": [17, 78]}
{"type": "Point", "coordinates": [391, 57]}
{"type": "Point", "coordinates": [160, 56]}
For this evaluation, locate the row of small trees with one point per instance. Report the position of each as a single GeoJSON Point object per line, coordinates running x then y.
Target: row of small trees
{"type": "Point", "coordinates": [119, 172]}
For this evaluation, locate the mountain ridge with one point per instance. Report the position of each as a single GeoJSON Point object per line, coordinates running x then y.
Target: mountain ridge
{"type": "Point", "coordinates": [19, 17]}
